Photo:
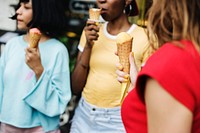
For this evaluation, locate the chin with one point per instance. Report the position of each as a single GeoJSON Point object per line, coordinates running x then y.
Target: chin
{"type": "Point", "coordinates": [20, 27]}
{"type": "Point", "coordinates": [105, 17]}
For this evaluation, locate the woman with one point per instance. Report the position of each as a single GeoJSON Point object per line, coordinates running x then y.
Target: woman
{"type": "Point", "coordinates": [35, 82]}
{"type": "Point", "coordinates": [94, 74]}
{"type": "Point", "coordinates": [167, 94]}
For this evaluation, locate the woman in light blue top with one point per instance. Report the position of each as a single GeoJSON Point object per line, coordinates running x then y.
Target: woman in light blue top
{"type": "Point", "coordinates": [35, 82]}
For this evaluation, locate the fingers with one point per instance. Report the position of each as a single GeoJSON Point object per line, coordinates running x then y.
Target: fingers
{"type": "Point", "coordinates": [119, 66]}
{"type": "Point", "coordinates": [91, 22]}
{"type": "Point", "coordinates": [31, 53]}
{"type": "Point", "coordinates": [31, 50]}
{"type": "Point", "coordinates": [91, 31]}
{"type": "Point", "coordinates": [133, 69]}
{"type": "Point", "coordinates": [91, 25]}
{"type": "Point", "coordinates": [121, 76]}
{"type": "Point", "coordinates": [131, 58]}
{"type": "Point", "coordinates": [116, 53]}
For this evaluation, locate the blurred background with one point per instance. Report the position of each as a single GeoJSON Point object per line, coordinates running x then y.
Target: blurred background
{"type": "Point", "coordinates": [77, 14]}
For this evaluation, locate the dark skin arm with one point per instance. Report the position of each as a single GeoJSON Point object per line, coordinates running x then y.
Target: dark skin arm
{"type": "Point", "coordinates": [80, 73]}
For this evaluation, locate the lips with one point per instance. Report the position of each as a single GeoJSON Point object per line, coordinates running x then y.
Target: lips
{"type": "Point", "coordinates": [103, 10]}
{"type": "Point", "coordinates": [19, 20]}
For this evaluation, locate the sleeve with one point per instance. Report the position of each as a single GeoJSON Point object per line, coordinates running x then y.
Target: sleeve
{"type": "Point", "coordinates": [173, 72]}
{"type": "Point", "coordinates": [82, 42]}
{"type": "Point", "coordinates": [2, 66]}
{"type": "Point", "coordinates": [52, 91]}
{"type": "Point", "coordinates": [141, 47]}
{"type": "Point", "coordinates": [148, 51]}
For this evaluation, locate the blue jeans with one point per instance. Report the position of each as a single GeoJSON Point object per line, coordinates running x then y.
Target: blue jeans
{"type": "Point", "coordinates": [91, 119]}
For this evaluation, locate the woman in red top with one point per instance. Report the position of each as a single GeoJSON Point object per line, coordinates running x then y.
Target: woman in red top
{"type": "Point", "coordinates": [166, 98]}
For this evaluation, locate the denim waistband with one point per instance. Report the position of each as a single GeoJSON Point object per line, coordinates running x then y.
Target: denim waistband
{"type": "Point", "coordinates": [94, 109]}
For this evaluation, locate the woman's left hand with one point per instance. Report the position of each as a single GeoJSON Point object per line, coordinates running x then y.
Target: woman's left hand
{"type": "Point", "coordinates": [33, 60]}
{"type": "Point", "coordinates": [122, 76]}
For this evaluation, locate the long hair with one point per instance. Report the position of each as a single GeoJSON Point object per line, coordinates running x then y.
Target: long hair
{"type": "Point", "coordinates": [174, 20]}
{"type": "Point", "coordinates": [48, 16]}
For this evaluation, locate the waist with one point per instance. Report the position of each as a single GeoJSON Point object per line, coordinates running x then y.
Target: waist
{"type": "Point", "coordinates": [102, 93]}
{"type": "Point", "coordinates": [92, 108]}
{"type": "Point", "coordinates": [100, 99]}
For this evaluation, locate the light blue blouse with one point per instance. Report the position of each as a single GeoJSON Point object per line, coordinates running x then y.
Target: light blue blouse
{"type": "Point", "coordinates": [25, 102]}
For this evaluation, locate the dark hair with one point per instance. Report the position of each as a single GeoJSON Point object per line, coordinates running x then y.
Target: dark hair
{"type": "Point", "coordinates": [48, 16]}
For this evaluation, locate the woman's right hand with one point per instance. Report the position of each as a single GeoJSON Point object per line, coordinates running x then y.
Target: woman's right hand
{"type": "Point", "coordinates": [91, 32]}
{"type": "Point", "coordinates": [33, 60]}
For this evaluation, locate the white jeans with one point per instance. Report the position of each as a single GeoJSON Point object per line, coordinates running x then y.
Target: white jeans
{"type": "Point", "coordinates": [91, 119]}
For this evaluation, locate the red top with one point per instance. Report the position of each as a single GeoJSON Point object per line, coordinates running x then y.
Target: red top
{"type": "Point", "coordinates": [177, 69]}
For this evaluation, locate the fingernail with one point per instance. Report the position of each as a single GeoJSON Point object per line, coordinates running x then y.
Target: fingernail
{"type": "Point", "coordinates": [126, 76]}
{"type": "Point", "coordinates": [133, 54]}
{"type": "Point", "coordinates": [120, 67]}
{"type": "Point", "coordinates": [125, 80]}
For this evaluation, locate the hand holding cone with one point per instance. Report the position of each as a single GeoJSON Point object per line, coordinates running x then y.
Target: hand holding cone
{"type": "Point", "coordinates": [35, 35]}
{"type": "Point", "coordinates": [124, 47]}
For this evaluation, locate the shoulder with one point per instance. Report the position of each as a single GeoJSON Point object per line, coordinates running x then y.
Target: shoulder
{"type": "Point", "coordinates": [171, 56]}
{"type": "Point", "coordinates": [55, 47]}
{"type": "Point", "coordinates": [139, 35]}
{"type": "Point", "coordinates": [14, 42]}
{"type": "Point", "coordinates": [172, 66]}
{"type": "Point", "coordinates": [137, 30]}
{"type": "Point", "coordinates": [55, 44]}
{"type": "Point", "coordinates": [167, 58]}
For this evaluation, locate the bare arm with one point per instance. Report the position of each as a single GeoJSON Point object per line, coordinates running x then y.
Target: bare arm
{"type": "Point", "coordinates": [80, 73]}
{"type": "Point", "coordinates": [164, 113]}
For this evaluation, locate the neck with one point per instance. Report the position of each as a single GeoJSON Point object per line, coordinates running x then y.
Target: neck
{"type": "Point", "coordinates": [118, 25]}
{"type": "Point", "coordinates": [42, 39]}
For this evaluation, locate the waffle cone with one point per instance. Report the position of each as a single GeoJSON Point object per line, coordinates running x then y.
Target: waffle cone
{"type": "Point", "coordinates": [94, 13]}
{"type": "Point", "coordinates": [34, 39]}
{"type": "Point", "coordinates": [123, 50]}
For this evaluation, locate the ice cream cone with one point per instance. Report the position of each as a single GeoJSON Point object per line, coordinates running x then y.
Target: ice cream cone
{"type": "Point", "coordinates": [34, 37]}
{"type": "Point", "coordinates": [94, 14]}
{"type": "Point", "coordinates": [124, 47]}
